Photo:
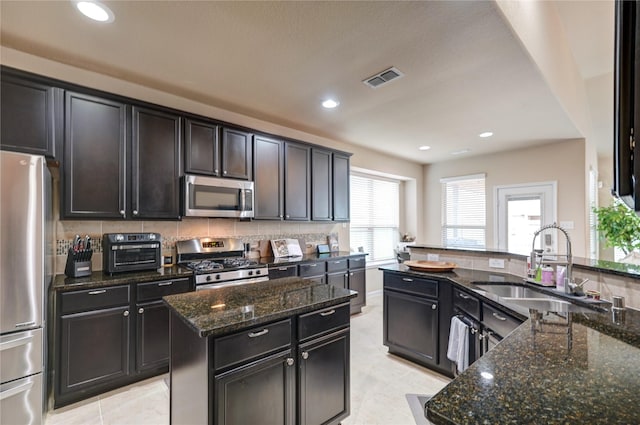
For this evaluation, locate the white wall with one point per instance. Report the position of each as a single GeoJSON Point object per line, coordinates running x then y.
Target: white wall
{"type": "Point", "coordinates": [563, 162]}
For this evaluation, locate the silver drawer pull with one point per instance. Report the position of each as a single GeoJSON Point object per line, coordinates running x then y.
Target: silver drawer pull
{"type": "Point", "coordinates": [165, 283]}
{"type": "Point", "coordinates": [433, 306]}
{"type": "Point", "coordinates": [283, 269]}
{"type": "Point", "coordinates": [290, 361]}
{"type": "Point", "coordinates": [406, 279]}
{"type": "Point", "coordinates": [101, 291]}
{"type": "Point", "coordinates": [257, 334]}
{"type": "Point", "coordinates": [312, 265]}
{"type": "Point", "coordinates": [25, 324]}
{"type": "Point", "coordinates": [497, 316]}
{"type": "Point", "coordinates": [305, 355]}
{"type": "Point", "coordinates": [337, 262]}
{"type": "Point", "coordinates": [327, 313]}
{"type": "Point", "coordinates": [463, 296]}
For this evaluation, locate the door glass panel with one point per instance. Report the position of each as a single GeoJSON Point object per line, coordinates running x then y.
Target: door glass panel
{"type": "Point", "coordinates": [523, 219]}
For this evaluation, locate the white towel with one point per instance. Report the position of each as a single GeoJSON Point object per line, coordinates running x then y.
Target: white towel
{"type": "Point", "coordinates": [458, 349]}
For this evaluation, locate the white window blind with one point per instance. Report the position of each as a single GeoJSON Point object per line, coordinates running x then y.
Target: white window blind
{"type": "Point", "coordinates": [464, 212]}
{"type": "Point", "coordinates": [374, 216]}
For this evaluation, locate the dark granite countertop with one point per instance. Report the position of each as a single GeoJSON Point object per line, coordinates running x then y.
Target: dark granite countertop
{"type": "Point", "coordinates": [621, 269]}
{"type": "Point", "coordinates": [219, 311]}
{"type": "Point", "coordinates": [561, 368]}
{"type": "Point", "coordinates": [99, 279]}
{"type": "Point", "coordinates": [286, 261]}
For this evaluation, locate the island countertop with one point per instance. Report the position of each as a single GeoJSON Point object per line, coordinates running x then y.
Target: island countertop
{"type": "Point", "coordinates": [570, 368]}
{"type": "Point", "coordinates": [218, 311]}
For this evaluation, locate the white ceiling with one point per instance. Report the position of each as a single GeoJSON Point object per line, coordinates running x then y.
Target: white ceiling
{"type": "Point", "coordinates": [465, 71]}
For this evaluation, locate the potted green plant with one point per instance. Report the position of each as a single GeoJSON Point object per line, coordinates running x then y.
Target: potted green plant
{"type": "Point", "coordinates": [620, 227]}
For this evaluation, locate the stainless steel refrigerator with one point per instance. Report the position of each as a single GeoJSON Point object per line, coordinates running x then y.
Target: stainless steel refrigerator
{"type": "Point", "coordinates": [25, 274]}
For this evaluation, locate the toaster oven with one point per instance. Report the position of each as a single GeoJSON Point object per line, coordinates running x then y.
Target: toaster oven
{"type": "Point", "coordinates": [126, 252]}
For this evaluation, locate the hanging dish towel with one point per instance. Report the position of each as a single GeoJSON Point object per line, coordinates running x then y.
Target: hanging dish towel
{"type": "Point", "coordinates": [458, 349]}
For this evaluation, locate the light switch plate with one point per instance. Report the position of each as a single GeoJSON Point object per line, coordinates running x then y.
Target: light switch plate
{"type": "Point", "coordinates": [496, 263]}
{"type": "Point", "coordinates": [432, 257]}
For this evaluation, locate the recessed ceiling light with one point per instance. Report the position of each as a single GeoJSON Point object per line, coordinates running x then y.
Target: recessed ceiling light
{"type": "Point", "coordinates": [460, 152]}
{"type": "Point", "coordinates": [486, 134]}
{"type": "Point", "coordinates": [330, 103]}
{"type": "Point", "coordinates": [424, 148]}
{"type": "Point", "coordinates": [95, 10]}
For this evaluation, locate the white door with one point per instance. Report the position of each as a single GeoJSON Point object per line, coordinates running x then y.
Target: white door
{"type": "Point", "coordinates": [520, 210]}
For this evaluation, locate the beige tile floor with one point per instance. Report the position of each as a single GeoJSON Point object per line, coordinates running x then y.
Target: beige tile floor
{"type": "Point", "coordinates": [379, 383]}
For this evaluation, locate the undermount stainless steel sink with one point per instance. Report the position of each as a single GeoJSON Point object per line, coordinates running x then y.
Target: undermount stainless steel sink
{"type": "Point", "coordinates": [513, 291]}
{"type": "Point", "coordinates": [550, 305]}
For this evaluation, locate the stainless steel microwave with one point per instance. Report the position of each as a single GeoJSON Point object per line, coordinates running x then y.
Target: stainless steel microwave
{"type": "Point", "coordinates": [215, 197]}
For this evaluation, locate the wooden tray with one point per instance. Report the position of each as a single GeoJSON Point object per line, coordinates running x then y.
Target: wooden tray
{"type": "Point", "coordinates": [430, 266]}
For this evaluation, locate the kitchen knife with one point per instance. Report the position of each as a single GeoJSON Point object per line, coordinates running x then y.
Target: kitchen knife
{"type": "Point", "coordinates": [76, 243]}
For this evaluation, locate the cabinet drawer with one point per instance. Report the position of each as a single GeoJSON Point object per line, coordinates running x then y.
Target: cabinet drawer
{"type": "Point", "coordinates": [411, 284]}
{"type": "Point", "coordinates": [94, 299]}
{"type": "Point", "coordinates": [323, 321]}
{"type": "Point", "coordinates": [243, 346]}
{"type": "Point", "coordinates": [312, 269]}
{"type": "Point", "coordinates": [498, 321]}
{"type": "Point", "coordinates": [467, 303]}
{"type": "Point", "coordinates": [283, 271]}
{"type": "Point", "coordinates": [337, 265]}
{"type": "Point", "coordinates": [357, 262]}
{"type": "Point", "coordinates": [156, 290]}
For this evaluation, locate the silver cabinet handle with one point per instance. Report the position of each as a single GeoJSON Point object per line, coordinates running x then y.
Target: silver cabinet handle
{"type": "Point", "coordinates": [464, 296]}
{"type": "Point", "coordinates": [280, 215]}
{"type": "Point", "coordinates": [5, 345]}
{"type": "Point", "coordinates": [287, 216]}
{"type": "Point", "coordinates": [350, 274]}
{"type": "Point", "coordinates": [126, 313]}
{"type": "Point", "coordinates": [122, 213]}
{"type": "Point", "coordinates": [135, 212]}
{"type": "Point", "coordinates": [337, 262]}
{"type": "Point", "coordinates": [224, 172]}
{"type": "Point", "coordinates": [327, 313]}
{"type": "Point", "coordinates": [165, 283]}
{"type": "Point", "coordinates": [497, 316]}
{"type": "Point", "coordinates": [16, 390]}
{"type": "Point", "coordinates": [283, 269]}
{"type": "Point", "coordinates": [101, 291]}
{"type": "Point", "coordinates": [290, 361]}
{"type": "Point", "coordinates": [406, 279]}
{"type": "Point", "coordinates": [312, 265]}
{"type": "Point", "coordinates": [141, 310]}
{"type": "Point", "coordinates": [25, 324]}
{"type": "Point", "coordinates": [480, 336]}
{"type": "Point", "coordinates": [305, 355]}
{"type": "Point", "coordinates": [433, 306]}
{"type": "Point", "coordinates": [257, 334]}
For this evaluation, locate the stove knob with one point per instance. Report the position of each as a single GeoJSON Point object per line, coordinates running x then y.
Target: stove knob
{"type": "Point", "coordinates": [250, 273]}
{"type": "Point", "coordinates": [258, 272]}
{"type": "Point", "coordinates": [217, 277]}
{"type": "Point", "coordinates": [208, 278]}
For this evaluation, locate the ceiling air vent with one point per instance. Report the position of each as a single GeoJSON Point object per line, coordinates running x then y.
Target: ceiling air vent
{"type": "Point", "coordinates": [383, 77]}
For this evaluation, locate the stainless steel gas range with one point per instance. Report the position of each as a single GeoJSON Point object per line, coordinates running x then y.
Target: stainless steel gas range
{"type": "Point", "coordinates": [218, 262]}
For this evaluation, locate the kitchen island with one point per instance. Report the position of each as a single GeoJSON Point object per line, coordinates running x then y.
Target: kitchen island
{"type": "Point", "coordinates": [569, 368]}
{"type": "Point", "coordinates": [268, 352]}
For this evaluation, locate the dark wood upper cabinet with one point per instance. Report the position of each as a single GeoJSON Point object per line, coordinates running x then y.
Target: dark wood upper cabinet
{"type": "Point", "coordinates": [340, 187]}
{"type": "Point", "coordinates": [94, 177]}
{"type": "Point", "coordinates": [202, 147]}
{"type": "Point", "coordinates": [297, 181]}
{"type": "Point", "coordinates": [28, 112]}
{"type": "Point", "coordinates": [155, 169]}
{"type": "Point", "coordinates": [236, 154]}
{"type": "Point", "coordinates": [268, 169]}
{"type": "Point", "coordinates": [321, 193]}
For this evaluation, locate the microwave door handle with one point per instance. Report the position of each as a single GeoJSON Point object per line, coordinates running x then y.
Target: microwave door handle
{"type": "Point", "coordinates": [242, 200]}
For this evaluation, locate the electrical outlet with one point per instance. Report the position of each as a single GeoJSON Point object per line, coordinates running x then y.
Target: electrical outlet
{"type": "Point", "coordinates": [432, 257]}
{"type": "Point", "coordinates": [496, 263]}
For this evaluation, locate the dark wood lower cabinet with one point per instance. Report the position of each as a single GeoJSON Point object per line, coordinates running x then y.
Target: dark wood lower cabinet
{"type": "Point", "coordinates": [152, 329]}
{"type": "Point", "coordinates": [262, 392]}
{"type": "Point", "coordinates": [94, 348]}
{"type": "Point", "coordinates": [324, 380]}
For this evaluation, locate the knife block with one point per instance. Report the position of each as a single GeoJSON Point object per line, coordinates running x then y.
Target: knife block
{"type": "Point", "coordinates": [78, 263]}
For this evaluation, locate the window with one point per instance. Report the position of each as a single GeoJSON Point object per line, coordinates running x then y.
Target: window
{"type": "Point", "coordinates": [374, 216]}
{"type": "Point", "coordinates": [593, 203]}
{"type": "Point", "coordinates": [463, 212]}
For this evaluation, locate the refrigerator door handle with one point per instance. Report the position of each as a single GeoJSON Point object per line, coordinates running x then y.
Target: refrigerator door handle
{"type": "Point", "coordinates": [25, 324]}
{"type": "Point", "coordinates": [16, 390]}
{"type": "Point", "coordinates": [12, 343]}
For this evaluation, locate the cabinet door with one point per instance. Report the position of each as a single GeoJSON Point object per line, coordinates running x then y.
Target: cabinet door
{"type": "Point", "coordinates": [155, 164]}
{"type": "Point", "coordinates": [94, 157]}
{"type": "Point", "coordinates": [340, 187]}
{"type": "Point", "coordinates": [324, 380]}
{"type": "Point", "coordinates": [27, 114]}
{"type": "Point", "coordinates": [202, 148]}
{"type": "Point", "coordinates": [94, 348]}
{"type": "Point", "coordinates": [259, 393]}
{"type": "Point", "coordinates": [321, 194]}
{"type": "Point", "coordinates": [411, 324]}
{"type": "Point", "coordinates": [297, 181]}
{"type": "Point", "coordinates": [338, 279]}
{"type": "Point", "coordinates": [358, 282]}
{"type": "Point", "coordinates": [268, 170]}
{"type": "Point", "coordinates": [152, 336]}
{"type": "Point", "coordinates": [236, 154]}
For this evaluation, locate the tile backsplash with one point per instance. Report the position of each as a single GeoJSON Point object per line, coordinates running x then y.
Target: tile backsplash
{"type": "Point", "coordinates": [171, 231]}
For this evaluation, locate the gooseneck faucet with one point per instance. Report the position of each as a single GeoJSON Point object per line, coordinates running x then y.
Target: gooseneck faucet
{"type": "Point", "coordinates": [568, 263]}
